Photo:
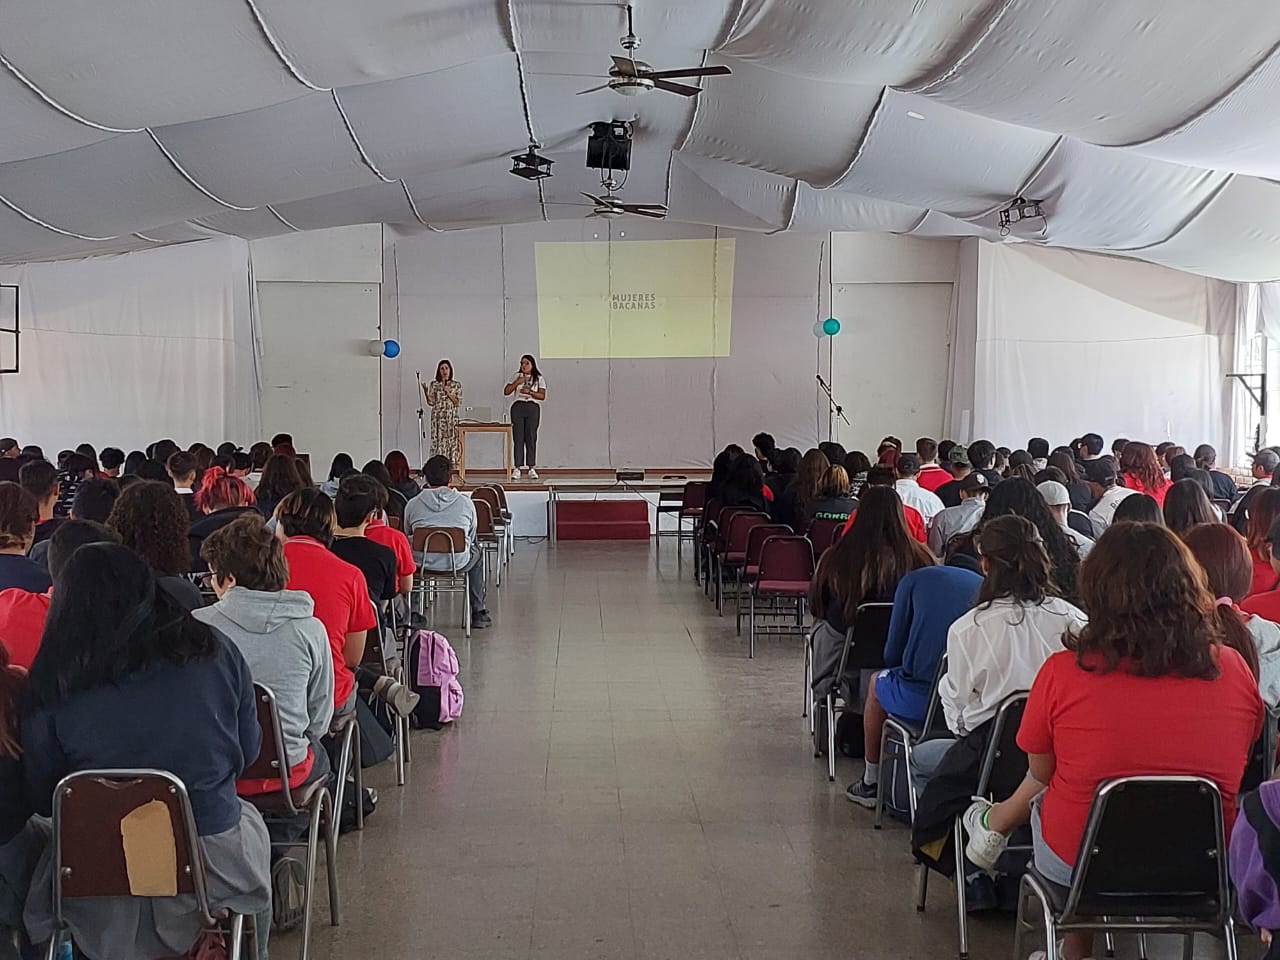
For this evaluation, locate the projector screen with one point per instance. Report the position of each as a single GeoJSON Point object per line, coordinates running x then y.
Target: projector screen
{"type": "Point", "coordinates": [639, 298]}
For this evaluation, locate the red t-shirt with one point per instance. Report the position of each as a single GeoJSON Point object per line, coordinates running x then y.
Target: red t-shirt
{"type": "Point", "coordinates": [22, 616]}
{"type": "Point", "coordinates": [1265, 605]}
{"type": "Point", "coordinates": [1264, 577]}
{"type": "Point", "coordinates": [379, 532]}
{"type": "Point", "coordinates": [915, 523]}
{"type": "Point", "coordinates": [341, 597]}
{"type": "Point", "coordinates": [932, 477]}
{"type": "Point", "coordinates": [1159, 493]}
{"type": "Point", "coordinates": [1103, 725]}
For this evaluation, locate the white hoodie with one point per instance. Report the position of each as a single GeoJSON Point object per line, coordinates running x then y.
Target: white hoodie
{"type": "Point", "coordinates": [442, 507]}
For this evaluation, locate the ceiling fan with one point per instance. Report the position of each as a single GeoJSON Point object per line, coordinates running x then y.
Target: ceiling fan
{"type": "Point", "coordinates": [608, 207]}
{"type": "Point", "coordinates": [632, 77]}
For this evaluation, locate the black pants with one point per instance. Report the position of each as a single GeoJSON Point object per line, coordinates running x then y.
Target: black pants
{"type": "Point", "coordinates": [525, 415]}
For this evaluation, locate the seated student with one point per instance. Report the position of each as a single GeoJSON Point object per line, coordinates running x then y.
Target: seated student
{"type": "Point", "coordinates": [112, 458]}
{"type": "Point", "coordinates": [1186, 505]}
{"type": "Point", "coordinates": [1224, 485]}
{"type": "Point", "coordinates": [955, 521]}
{"type": "Point", "coordinates": [909, 489]}
{"type": "Point", "coordinates": [925, 605]}
{"type": "Point", "coordinates": [125, 679]}
{"type": "Point", "coordinates": [23, 613]}
{"type": "Point", "coordinates": [982, 454]}
{"type": "Point", "coordinates": [22, 839]}
{"type": "Point", "coordinates": [354, 508]}
{"type": "Point", "coordinates": [341, 466]}
{"type": "Point", "coordinates": [763, 445]}
{"type": "Point", "coordinates": [857, 465]}
{"type": "Point", "coordinates": [379, 531]}
{"type": "Point", "coordinates": [960, 467]}
{"type": "Point", "coordinates": [279, 479]}
{"type": "Point", "coordinates": [1224, 556]}
{"type": "Point", "coordinates": [153, 469]}
{"type": "Point", "coordinates": [1038, 447]}
{"type": "Point", "coordinates": [133, 463]}
{"type": "Point", "coordinates": [259, 454]}
{"type": "Point", "coordinates": [439, 505]}
{"type": "Point", "coordinates": [181, 468]}
{"type": "Point", "coordinates": [931, 475]}
{"type": "Point", "coordinates": [398, 467]}
{"type": "Point", "coordinates": [395, 501]}
{"type": "Point", "coordinates": [834, 452]}
{"type": "Point", "coordinates": [1058, 499]}
{"type": "Point", "coordinates": [784, 464]}
{"type": "Point", "coordinates": [222, 498]}
{"type": "Point", "coordinates": [885, 477]}
{"type": "Point", "coordinates": [1150, 658]}
{"type": "Point", "coordinates": [832, 500]}
{"type": "Point", "coordinates": [1018, 496]}
{"type": "Point", "coordinates": [1265, 463]}
{"type": "Point", "coordinates": [1100, 473]}
{"type": "Point", "coordinates": [1262, 517]}
{"type": "Point", "coordinates": [864, 566]}
{"type": "Point", "coordinates": [18, 515]}
{"type": "Point", "coordinates": [813, 465]}
{"type": "Point", "coordinates": [1142, 471]}
{"type": "Point", "coordinates": [152, 522]}
{"type": "Point", "coordinates": [1140, 508]}
{"type": "Point", "coordinates": [285, 646]}
{"type": "Point", "coordinates": [40, 479]}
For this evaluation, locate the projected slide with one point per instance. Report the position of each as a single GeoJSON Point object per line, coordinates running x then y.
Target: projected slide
{"type": "Point", "coordinates": [642, 298]}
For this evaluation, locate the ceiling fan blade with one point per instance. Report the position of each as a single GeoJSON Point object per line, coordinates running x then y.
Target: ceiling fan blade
{"type": "Point", "coordinates": [564, 203]}
{"type": "Point", "coordinates": [649, 213]}
{"type": "Point", "coordinates": [625, 66]}
{"type": "Point", "coordinates": [690, 72]}
{"type": "Point", "coordinates": [681, 88]}
{"type": "Point", "coordinates": [603, 86]}
{"type": "Point", "coordinates": [580, 76]}
{"type": "Point", "coordinates": [598, 201]}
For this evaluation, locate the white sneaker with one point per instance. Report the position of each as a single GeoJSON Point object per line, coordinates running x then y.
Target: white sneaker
{"type": "Point", "coordinates": [515, 474]}
{"type": "Point", "coordinates": [985, 845]}
{"type": "Point", "coordinates": [533, 474]}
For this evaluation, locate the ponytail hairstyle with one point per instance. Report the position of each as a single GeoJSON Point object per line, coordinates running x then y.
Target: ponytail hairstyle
{"type": "Point", "coordinates": [12, 683]}
{"type": "Point", "coordinates": [221, 491]}
{"type": "Point", "coordinates": [1018, 567]}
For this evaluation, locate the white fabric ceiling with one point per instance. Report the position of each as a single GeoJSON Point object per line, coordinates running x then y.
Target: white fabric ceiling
{"type": "Point", "coordinates": [1145, 127]}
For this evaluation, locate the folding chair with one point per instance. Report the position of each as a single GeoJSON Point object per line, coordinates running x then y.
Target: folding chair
{"type": "Point", "coordinates": [863, 650]}
{"type": "Point", "coordinates": [1270, 731]}
{"type": "Point", "coordinates": [1153, 859]}
{"type": "Point", "coordinates": [1004, 766]}
{"type": "Point", "coordinates": [705, 531]}
{"type": "Point", "coordinates": [441, 541]}
{"type": "Point", "coordinates": [501, 527]}
{"type": "Point", "coordinates": [786, 571]}
{"type": "Point", "coordinates": [670, 503]}
{"type": "Point", "coordinates": [897, 740]}
{"type": "Point", "coordinates": [692, 500]}
{"type": "Point", "coordinates": [489, 538]}
{"type": "Point", "coordinates": [734, 554]}
{"type": "Point", "coordinates": [89, 857]}
{"type": "Point", "coordinates": [376, 656]}
{"type": "Point", "coordinates": [312, 801]}
{"type": "Point", "coordinates": [749, 569]}
{"type": "Point", "coordinates": [823, 534]}
{"type": "Point", "coordinates": [720, 547]}
{"type": "Point", "coordinates": [346, 728]}
{"type": "Point", "coordinates": [507, 517]}
{"type": "Point", "coordinates": [395, 523]}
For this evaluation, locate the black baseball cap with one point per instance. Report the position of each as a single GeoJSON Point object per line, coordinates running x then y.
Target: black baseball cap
{"type": "Point", "coordinates": [7, 444]}
{"type": "Point", "coordinates": [1102, 470]}
{"type": "Point", "coordinates": [974, 481]}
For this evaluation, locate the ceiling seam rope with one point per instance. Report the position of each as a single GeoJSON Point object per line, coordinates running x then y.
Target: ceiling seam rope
{"type": "Point", "coordinates": [191, 179]}
{"type": "Point", "coordinates": [65, 111]}
{"type": "Point", "coordinates": [733, 25]}
{"type": "Point", "coordinates": [142, 236]}
{"type": "Point", "coordinates": [49, 226]}
{"type": "Point", "coordinates": [524, 92]}
{"type": "Point", "coordinates": [992, 22]}
{"type": "Point", "coordinates": [791, 209]}
{"type": "Point", "coordinates": [1191, 218]}
{"type": "Point", "coordinates": [414, 207]}
{"type": "Point", "coordinates": [862, 140]}
{"type": "Point", "coordinates": [279, 216]}
{"type": "Point", "coordinates": [351, 132]}
{"type": "Point", "coordinates": [684, 140]}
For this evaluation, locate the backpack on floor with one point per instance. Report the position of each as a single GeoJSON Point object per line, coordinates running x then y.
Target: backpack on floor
{"type": "Point", "coordinates": [433, 674]}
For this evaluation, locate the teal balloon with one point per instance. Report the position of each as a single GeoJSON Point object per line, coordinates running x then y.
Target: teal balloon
{"type": "Point", "coordinates": [831, 326]}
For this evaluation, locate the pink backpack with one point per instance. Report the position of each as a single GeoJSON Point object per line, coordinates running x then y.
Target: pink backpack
{"type": "Point", "coordinates": [437, 667]}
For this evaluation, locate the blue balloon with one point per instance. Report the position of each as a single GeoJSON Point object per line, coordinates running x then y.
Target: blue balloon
{"type": "Point", "coordinates": [391, 349]}
{"type": "Point", "coordinates": [831, 326]}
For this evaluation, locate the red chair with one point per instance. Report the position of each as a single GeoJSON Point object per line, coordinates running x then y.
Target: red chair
{"type": "Point", "coordinates": [823, 534]}
{"type": "Point", "coordinates": [706, 535]}
{"type": "Point", "coordinates": [750, 568]}
{"type": "Point", "coordinates": [786, 570]}
{"type": "Point", "coordinates": [734, 554]}
{"type": "Point", "coordinates": [691, 503]}
{"type": "Point", "coordinates": [715, 539]}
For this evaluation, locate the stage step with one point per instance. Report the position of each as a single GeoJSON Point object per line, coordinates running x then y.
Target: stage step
{"type": "Point", "coordinates": [602, 520]}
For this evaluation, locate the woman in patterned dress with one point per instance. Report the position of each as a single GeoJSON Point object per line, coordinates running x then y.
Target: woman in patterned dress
{"type": "Point", "coordinates": [444, 396]}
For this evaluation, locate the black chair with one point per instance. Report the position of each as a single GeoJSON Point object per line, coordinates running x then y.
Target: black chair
{"type": "Point", "coordinates": [1153, 859]}
{"type": "Point", "coordinates": [900, 736]}
{"type": "Point", "coordinates": [1004, 767]}
{"type": "Point", "coordinates": [863, 650]}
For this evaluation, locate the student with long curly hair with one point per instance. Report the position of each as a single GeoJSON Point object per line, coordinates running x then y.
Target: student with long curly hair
{"type": "Point", "coordinates": [151, 520]}
{"type": "Point", "coordinates": [1141, 470]}
{"type": "Point", "coordinates": [1147, 686]}
{"type": "Point", "coordinates": [1020, 497]}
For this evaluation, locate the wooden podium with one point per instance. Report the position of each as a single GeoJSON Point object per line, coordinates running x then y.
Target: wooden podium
{"type": "Point", "coordinates": [465, 428]}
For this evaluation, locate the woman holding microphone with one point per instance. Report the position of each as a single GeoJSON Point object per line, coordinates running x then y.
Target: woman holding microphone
{"type": "Point", "coordinates": [444, 396]}
{"type": "Point", "coordinates": [530, 390]}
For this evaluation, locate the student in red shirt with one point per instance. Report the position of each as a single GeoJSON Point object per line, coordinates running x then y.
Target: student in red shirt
{"type": "Point", "coordinates": [931, 475]}
{"type": "Point", "coordinates": [22, 613]}
{"type": "Point", "coordinates": [1267, 604]}
{"type": "Point", "coordinates": [1147, 687]}
{"type": "Point", "coordinates": [1263, 513]}
{"type": "Point", "coordinates": [885, 477]}
{"type": "Point", "coordinates": [1140, 469]}
{"type": "Point", "coordinates": [338, 589]}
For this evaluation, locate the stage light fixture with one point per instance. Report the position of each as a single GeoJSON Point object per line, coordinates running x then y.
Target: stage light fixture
{"type": "Point", "coordinates": [530, 165]}
{"type": "Point", "coordinates": [1019, 209]}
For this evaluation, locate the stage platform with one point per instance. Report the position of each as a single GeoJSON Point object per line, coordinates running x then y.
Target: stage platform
{"type": "Point", "coordinates": [560, 499]}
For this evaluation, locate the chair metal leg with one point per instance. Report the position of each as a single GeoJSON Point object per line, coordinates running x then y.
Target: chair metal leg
{"type": "Point", "coordinates": [808, 666]}
{"type": "Point", "coordinates": [922, 886]}
{"type": "Point", "coordinates": [236, 936]}
{"type": "Point", "coordinates": [1188, 946]}
{"type": "Point", "coordinates": [831, 737]}
{"type": "Point", "coordinates": [466, 611]}
{"type": "Point", "coordinates": [1229, 938]}
{"type": "Point", "coordinates": [962, 906]}
{"type": "Point", "coordinates": [884, 742]}
{"type": "Point", "coordinates": [331, 855]}
{"type": "Point", "coordinates": [402, 734]}
{"type": "Point", "coordinates": [719, 588]}
{"type": "Point", "coordinates": [737, 599]}
{"type": "Point", "coordinates": [309, 899]}
{"type": "Point", "coordinates": [751, 629]}
{"type": "Point", "coordinates": [1142, 946]}
{"type": "Point", "coordinates": [1109, 944]}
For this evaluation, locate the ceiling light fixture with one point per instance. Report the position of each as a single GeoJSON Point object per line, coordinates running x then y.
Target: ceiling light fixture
{"type": "Point", "coordinates": [530, 166]}
{"type": "Point", "coordinates": [1019, 209]}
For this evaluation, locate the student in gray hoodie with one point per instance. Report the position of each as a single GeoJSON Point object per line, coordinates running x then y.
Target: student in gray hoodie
{"type": "Point", "coordinates": [285, 646]}
{"type": "Point", "coordinates": [439, 505]}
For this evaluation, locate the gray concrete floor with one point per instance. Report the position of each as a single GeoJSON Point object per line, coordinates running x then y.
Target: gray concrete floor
{"type": "Point", "coordinates": [624, 784]}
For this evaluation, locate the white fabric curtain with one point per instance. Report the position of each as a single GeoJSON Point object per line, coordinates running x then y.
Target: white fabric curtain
{"type": "Point", "coordinates": [128, 349]}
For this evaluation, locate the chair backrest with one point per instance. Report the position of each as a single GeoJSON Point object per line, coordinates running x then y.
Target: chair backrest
{"type": "Point", "coordinates": [394, 522]}
{"type": "Point", "coordinates": [787, 558]}
{"type": "Point", "coordinates": [740, 529]}
{"type": "Point", "coordinates": [271, 758]}
{"type": "Point", "coordinates": [933, 719]}
{"type": "Point", "coordinates": [725, 525]}
{"type": "Point", "coordinates": [490, 496]}
{"type": "Point", "coordinates": [1270, 731]}
{"type": "Point", "coordinates": [439, 540]}
{"type": "Point", "coordinates": [96, 812]}
{"type": "Point", "coordinates": [710, 518]}
{"type": "Point", "coordinates": [1004, 764]}
{"type": "Point", "coordinates": [1152, 838]}
{"type": "Point", "coordinates": [694, 495]}
{"type": "Point", "coordinates": [758, 534]}
{"type": "Point", "coordinates": [668, 497]}
{"type": "Point", "coordinates": [866, 637]}
{"type": "Point", "coordinates": [484, 516]}
{"type": "Point", "coordinates": [501, 491]}
{"type": "Point", "coordinates": [823, 534]}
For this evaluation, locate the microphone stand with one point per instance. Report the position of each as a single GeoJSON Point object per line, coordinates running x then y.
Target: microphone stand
{"type": "Point", "coordinates": [833, 409]}
{"type": "Point", "coordinates": [422, 428]}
